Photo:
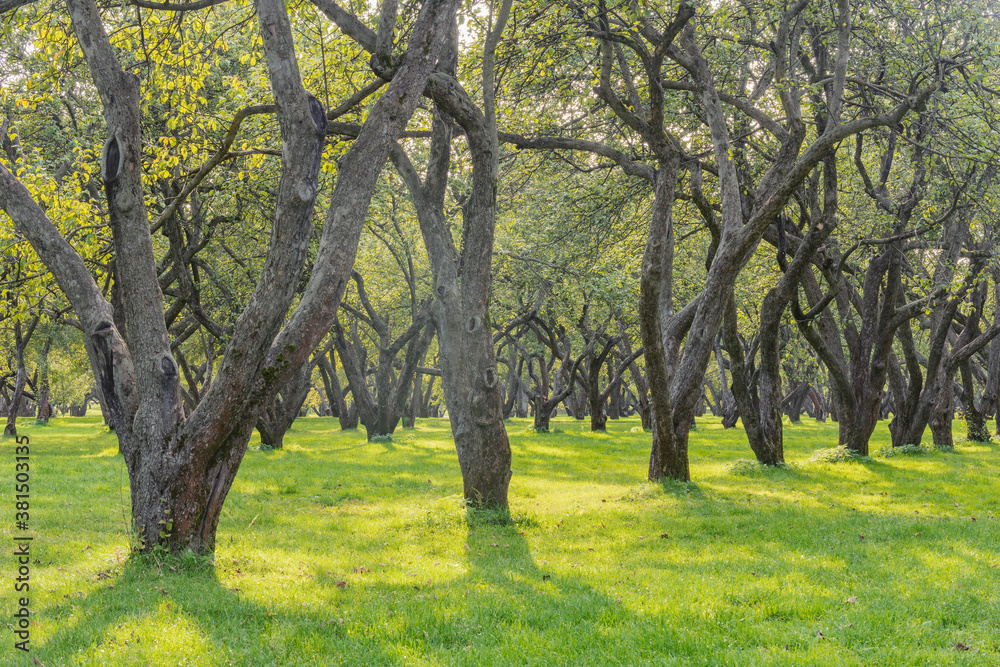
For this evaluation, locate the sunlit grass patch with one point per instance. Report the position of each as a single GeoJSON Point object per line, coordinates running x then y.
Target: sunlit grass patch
{"type": "Point", "coordinates": [339, 551]}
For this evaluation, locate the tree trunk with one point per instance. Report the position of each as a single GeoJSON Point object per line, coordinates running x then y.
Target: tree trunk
{"type": "Point", "coordinates": [977, 428]}
{"type": "Point", "coordinates": [348, 416]}
{"type": "Point", "coordinates": [277, 418]}
{"type": "Point", "coordinates": [44, 409]}
{"type": "Point", "coordinates": [579, 402]}
{"type": "Point", "coordinates": [638, 379]}
{"type": "Point", "coordinates": [614, 392]}
{"type": "Point", "coordinates": [543, 413]}
{"type": "Point", "coordinates": [461, 297]}
{"type": "Point", "coordinates": [14, 407]}
{"type": "Point", "coordinates": [382, 409]}
{"type": "Point", "coordinates": [668, 455]}
{"type": "Point", "coordinates": [20, 376]}
{"type": "Point", "coordinates": [977, 414]}
{"type": "Point", "coordinates": [595, 399]}
{"type": "Point", "coordinates": [416, 395]}
{"type": "Point", "coordinates": [797, 406]}
{"type": "Point", "coordinates": [515, 364]}
{"type": "Point", "coordinates": [522, 403]}
{"type": "Point", "coordinates": [942, 414]}
{"type": "Point", "coordinates": [819, 411]}
{"type": "Point", "coordinates": [425, 406]}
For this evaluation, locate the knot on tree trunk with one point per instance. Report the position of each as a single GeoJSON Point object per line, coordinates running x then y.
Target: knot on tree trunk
{"type": "Point", "coordinates": [111, 160]}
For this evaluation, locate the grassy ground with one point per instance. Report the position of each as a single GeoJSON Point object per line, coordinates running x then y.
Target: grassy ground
{"type": "Point", "coordinates": [335, 551]}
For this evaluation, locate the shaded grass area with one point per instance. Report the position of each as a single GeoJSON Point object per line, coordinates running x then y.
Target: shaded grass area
{"type": "Point", "coordinates": [338, 551]}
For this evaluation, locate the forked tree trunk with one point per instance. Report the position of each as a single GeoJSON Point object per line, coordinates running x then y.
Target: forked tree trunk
{"type": "Point", "coordinates": [794, 402]}
{"type": "Point", "coordinates": [597, 399]}
{"type": "Point", "coordinates": [180, 470]}
{"type": "Point", "coordinates": [469, 373]}
{"type": "Point", "coordinates": [543, 413]}
{"type": "Point", "coordinates": [347, 415]}
{"type": "Point", "coordinates": [382, 404]}
{"type": "Point", "coordinates": [278, 417]}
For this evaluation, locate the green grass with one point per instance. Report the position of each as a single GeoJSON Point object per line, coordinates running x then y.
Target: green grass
{"type": "Point", "coordinates": [336, 551]}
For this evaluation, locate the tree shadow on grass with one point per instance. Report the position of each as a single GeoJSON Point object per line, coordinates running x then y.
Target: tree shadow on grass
{"type": "Point", "coordinates": [171, 614]}
{"type": "Point", "coordinates": [529, 613]}
{"type": "Point", "coordinates": [508, 608]}
{"type": "Point", "coordinates": [503, 605]}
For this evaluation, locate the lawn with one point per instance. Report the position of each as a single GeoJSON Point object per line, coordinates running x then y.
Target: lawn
{"type": "Point", "coordinates": [335, 551]}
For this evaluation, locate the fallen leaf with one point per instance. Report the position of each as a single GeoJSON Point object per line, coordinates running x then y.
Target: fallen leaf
{"type": "Point", "coordinates": [341, 584]}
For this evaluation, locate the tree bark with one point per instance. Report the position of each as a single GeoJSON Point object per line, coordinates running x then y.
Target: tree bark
{"type": "Point", "coordinates": [668, 455]}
